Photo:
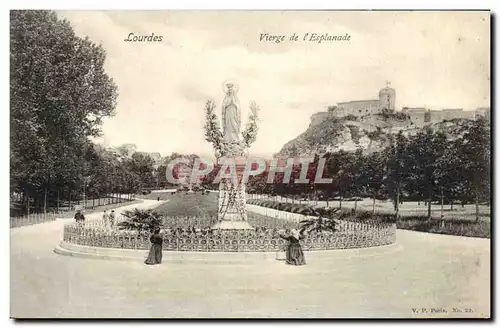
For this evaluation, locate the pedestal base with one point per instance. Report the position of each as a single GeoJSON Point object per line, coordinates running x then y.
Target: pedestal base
{"type": "Point", "coordinates": [233, 225]}
{"type": "Point", "coordinates": [232, 214]}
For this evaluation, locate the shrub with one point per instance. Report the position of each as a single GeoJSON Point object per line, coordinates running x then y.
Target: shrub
{"type": "Point", "coordinates": [347, 214]}
{"type": "Point", "coordinates": [141, 220]}
{"type": "Point", "coordinates": [456, 227]}
{"type": "Point", "coordinates": [322, 220]}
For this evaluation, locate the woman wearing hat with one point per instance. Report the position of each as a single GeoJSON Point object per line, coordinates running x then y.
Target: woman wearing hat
{"type": "Point", "coordinates": [155, 253]}
{"type": "Point", "coordinates": [294, 253]}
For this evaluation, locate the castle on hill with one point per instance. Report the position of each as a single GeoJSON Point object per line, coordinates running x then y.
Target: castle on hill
{"type": "Point", "coordinates": [417, 116]}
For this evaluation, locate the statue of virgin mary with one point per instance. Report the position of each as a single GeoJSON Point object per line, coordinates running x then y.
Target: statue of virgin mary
{"type": "Point", "coordinates": [231, 116]}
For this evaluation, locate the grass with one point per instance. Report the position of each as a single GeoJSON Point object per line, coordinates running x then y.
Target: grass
{"type": "Point", "coordinates": [455, 227]}
{"type": "Point", "coordinates": [181, 211]}
{"type": "Point", "coordinates": [457, 223]}
{"type": "Point", "coordinates": [407, 209]}
{"type": "Point", "coordinates": [191, 205]}
{"type": "Point", "coordinates": [460, 222]}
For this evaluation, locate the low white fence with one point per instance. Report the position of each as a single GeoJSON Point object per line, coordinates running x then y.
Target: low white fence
{"type": "Point", "coordinates": [286, 200]}
{"type": "Point", "coordinates": [31, 219]}
{"type": "Point", "coordinates": [164, 190]}
{"type": "Point", "coordinates": [271, 212]}
{"type": "Point", "coordinates": [296, 217]}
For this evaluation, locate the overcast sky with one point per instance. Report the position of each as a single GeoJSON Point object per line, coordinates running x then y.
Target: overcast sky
{"type": "Point", "coordinates": [433, 59]}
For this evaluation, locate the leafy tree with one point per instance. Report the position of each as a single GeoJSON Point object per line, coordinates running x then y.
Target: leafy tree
{"type": "Point", "coordinates": [143, 166]}
{"type": "Point", "coordinates": [397, 171]}
{"type": "Point", "coordinates": [474, 154]}
{"type": "Point", "coordinates": [371, 180]}
{"type": "Point", "coordinates": [339, 167]}
{"type": "Point", "coordinates": [141, 220]}
{"type": "Point", "coordinates": [425, 150]}
{"type": "Point", "coordinates": [59, 95]}
{"type": "Point", "coordinates": [320, 223]}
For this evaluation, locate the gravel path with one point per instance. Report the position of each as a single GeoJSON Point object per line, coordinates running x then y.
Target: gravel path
{"type": "Point", "coordinates": [428, 272]}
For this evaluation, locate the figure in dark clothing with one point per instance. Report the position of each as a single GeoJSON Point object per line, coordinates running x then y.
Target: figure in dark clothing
{"type": "Point", "coordinates": [79, 217]}
{"type": "Point", "coordinates": [294, 253]}
{"type": "Point", "coordinates": [155, 253]}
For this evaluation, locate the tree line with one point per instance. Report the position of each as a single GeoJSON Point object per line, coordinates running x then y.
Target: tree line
{"type": "Point", "coordinates": [428, 166]}
{"type": "Point", "coordinates": [59, 95]}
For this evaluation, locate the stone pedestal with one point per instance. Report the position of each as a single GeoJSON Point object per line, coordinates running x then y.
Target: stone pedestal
{"type": "Point", "coordinates": [232, 212]}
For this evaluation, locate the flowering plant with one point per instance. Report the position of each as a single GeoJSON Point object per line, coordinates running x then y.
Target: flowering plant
{"type": "Point", "coordinates": [213, 133]}
{"type": "Point", "coordinates": [250, 133]}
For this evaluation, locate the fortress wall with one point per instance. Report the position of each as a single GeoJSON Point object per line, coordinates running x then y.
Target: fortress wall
{"type": "Point", "coordinates": [361, 107]}
{"type": "Point", "coordinates": [318, 118]}
{"type": "Point", "coordinates": [417, 118]}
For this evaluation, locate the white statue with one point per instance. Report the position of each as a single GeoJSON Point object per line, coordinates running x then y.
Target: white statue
{"type": "Point", "coordinates": [231, 115]}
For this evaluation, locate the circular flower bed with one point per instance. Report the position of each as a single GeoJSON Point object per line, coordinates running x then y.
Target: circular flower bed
{"type": "Point", "coordinates": [194, 234]}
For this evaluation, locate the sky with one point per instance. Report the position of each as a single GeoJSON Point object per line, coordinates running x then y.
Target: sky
{"type": "Point", "coordinates": [432, 59]}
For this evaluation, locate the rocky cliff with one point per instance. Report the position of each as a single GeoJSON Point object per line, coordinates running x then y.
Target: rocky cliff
{"type": "Point", "coordinates": [349, 134]}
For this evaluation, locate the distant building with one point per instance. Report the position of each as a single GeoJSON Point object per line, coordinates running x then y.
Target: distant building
{"type": "Point", "coordinates": [358, 108]}
{"type": "Point", "coordinates": [482, 112]}
{"type": "Point", "coordinates": [317, 118]}
{"type": "Point", "coordinates": [128, 149]}
{"type": "Point", "coordinates": [418, 115]}
{"type": "Point", "coordinates": [386, 100]}
{"type": "Point", "coordinates": [367, 111]}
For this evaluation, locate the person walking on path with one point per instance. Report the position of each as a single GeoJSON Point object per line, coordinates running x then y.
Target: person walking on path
{"type": "Point", "coordinates": [112, 219]}
{"type": "Point", "coordinates": [105, 219]}
{"type": "Point", "coordinates": [294, 253]}
{"type": "Point", "coordinates": [155, 253]}
{"type": "Point", "coordinates": [79, 217]}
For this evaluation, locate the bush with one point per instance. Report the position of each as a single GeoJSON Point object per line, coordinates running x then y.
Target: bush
{"type": "Point", "coordinates": [455, 227]}
{"type": "Point", "coordinates": [347, 214]}
{"type": "Point", "coordinates": [141, 220]}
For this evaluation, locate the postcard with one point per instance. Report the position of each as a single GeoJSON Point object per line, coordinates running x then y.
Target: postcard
{"type": "Point", "coordinates": [250, 164]}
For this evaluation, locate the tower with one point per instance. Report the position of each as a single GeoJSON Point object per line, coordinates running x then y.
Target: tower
{"type": "Point", "coordinates": [387, 97]}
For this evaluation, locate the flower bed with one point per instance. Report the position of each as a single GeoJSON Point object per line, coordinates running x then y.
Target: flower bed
{"type": "Point", "coordinates": [193, 234]}
{"type": "Point", "coordinates": [207, 222]}
{"type": "Point", "coordinates": [307, 210]}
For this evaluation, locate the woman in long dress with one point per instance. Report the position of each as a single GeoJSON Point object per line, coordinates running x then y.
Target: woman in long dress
{"type": "Point", "coordinates": [155, 253]}
{"type": "Point", "coordinates": [294, 253]}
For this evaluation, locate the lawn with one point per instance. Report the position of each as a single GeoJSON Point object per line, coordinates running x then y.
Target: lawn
{"type": "Point", "coordinates": [190, 205]}
{"type": "Point", "coordinates": [201, 211]}
{"type": "Point", "coordinates": [406, 209]}
{"type": "Point", "coordinates": [413, 216]}
{"type": "Point", "coordinates": [459, 222]}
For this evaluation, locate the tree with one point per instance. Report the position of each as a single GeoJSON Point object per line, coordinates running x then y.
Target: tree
{"type": "Point", "coordinates": [425, 150]}
{"type": "Point", "coordinates": [320, 223]}
{"type": "Point", "coordinates": [371, 179]}
{"type": "Point", "coordinates": [397, 168]}
{"type": "Point", "coordinates": [141, 220]}
{"type": "Point", "coordinates": [450, 173]}
{"type": "Point", "coordinates": [474, 152]}
{"type": "Point", "coordinates": [59, 95]}
{"type": "Point", "coordinates": [143, 166]}
{"type": "Point", "coordinates": [338, 167]}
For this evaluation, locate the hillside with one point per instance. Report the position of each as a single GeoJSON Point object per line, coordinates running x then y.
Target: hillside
{"type": "Point", "coordinates": [349, 134]}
